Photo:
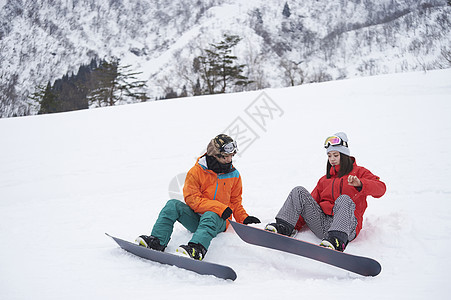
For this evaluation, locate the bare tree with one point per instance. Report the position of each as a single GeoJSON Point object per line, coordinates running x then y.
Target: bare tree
{"type": "Point", "coordinates": [294, 74]}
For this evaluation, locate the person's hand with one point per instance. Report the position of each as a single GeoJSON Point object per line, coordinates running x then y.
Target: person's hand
{"type": "Point", "coordinates": [251, 220]}
{"type": "Point", "coordinates": [354, 181]}
{"type": "Point", "coordinates": [226, 213]}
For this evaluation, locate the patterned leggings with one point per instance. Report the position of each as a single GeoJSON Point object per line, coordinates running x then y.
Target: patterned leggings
{"type": "Point", "coordinates": [301, 203]}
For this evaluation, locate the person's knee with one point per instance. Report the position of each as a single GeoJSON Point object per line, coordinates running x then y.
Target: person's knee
{"type": "Point", "coordinates": [345, 201]}
{"type": "Point", "coordinates": [212, 220]}
{"type": "Point", "coordinates": [299, 190]}
{"type": "Point", "coordinates": [211, 217]}
{"type": "Point", "coordinates": [176, 208]}
{"type": "Point", "coordinates": [175, 204]}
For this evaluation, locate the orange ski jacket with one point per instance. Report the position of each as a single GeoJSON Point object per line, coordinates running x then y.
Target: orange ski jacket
{"type": "Point", "coordinates": [204, 190]}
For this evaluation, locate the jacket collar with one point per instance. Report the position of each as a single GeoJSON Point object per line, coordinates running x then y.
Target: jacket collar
{"type": "Point", "coordinates": [202, 161]}
{"type": "Point", "coordinates": [334, 170]}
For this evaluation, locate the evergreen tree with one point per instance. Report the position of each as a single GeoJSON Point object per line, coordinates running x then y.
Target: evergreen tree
{"type": "Point", "coordinates": [48, 100]}
{"type": "Point", "coordinates": [286, 11]}
{"type": "Point", "coordinates": [105, 85]}
{"type": "Point", "coordinates": [67, 94]}
{"type": "Point", "coordinates": [205, 66]}
{"type": "Point", "coordinates": [184, 92]}
{"type": "Point", "coordinates": [71, 93]}
{"type": "Point", "coordinates": [218, 67]}
{"type": "Point", "coordinates": [97, 85]}
{"type": "Point", "coordinates": [197, 88]}
{"type": "Point", "coordinates": [114, 83]}
{"type": "Point", "coordinates": [170, 93]}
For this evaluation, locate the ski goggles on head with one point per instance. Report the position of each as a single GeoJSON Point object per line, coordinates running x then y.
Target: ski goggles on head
{"type": "Point", "coordinates": [229, 148]}
{"type": "Point", "coordinates": [334, 141]}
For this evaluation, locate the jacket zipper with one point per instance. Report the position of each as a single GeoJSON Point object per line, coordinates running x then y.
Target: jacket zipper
{"type": "Point", "coordinates": [333, 187]}
{"type": "Point", "coordinates": [341, 187]}
{"type": "Point", "coordinates": [216, 190]}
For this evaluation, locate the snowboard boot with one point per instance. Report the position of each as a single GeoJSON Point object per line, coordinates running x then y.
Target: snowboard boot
{"type": "Point", "coordinates": [281, 227]}
{"type": "Point", "coordinates": [195, 251]}
{"type": "Point", "coordinates": [335, 240]}
{"type": "Point", "coordinates": [150, 242]}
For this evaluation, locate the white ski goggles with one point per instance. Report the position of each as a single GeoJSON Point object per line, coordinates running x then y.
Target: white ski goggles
{"type": "Point", "coordinates": [229, 148]}
{"type": "Point", "coordinates": [334, 141]}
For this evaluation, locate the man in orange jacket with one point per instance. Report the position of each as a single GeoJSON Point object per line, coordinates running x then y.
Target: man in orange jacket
{"type": "Point", "coordinates": [212, 193]}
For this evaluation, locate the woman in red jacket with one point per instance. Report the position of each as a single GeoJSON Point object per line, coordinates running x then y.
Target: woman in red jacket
{"type": "Point", "coordinates": [334, 210]}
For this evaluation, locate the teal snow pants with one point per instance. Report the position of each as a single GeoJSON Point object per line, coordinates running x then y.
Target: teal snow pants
{"type": "Point", "coordinates": [205, 227]}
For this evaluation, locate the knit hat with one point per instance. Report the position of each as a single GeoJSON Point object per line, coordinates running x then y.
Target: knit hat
{"type": "Point", "coordinates": [342, 147]}
{"type": "Point", "coordinates": [216, 145]}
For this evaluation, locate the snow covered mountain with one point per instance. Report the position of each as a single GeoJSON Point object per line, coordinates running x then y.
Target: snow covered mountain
{"type": "Point", "coordinates": [283, 42]}
{"type": "Point", "coordinates": [68, 178]}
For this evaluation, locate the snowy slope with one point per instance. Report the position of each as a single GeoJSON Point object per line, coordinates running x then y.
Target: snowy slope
{"type": "Point", "coordinates": [66, 179]}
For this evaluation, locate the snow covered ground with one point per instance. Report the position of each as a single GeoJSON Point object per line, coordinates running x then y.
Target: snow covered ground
{"type": "Point", "coordinates": [66, 179]}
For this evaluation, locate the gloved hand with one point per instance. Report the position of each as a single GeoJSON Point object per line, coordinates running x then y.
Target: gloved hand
{"type": "Point", "coordinates": [226, 213]}
{"type": "Point", "coordinates": [251, 220]}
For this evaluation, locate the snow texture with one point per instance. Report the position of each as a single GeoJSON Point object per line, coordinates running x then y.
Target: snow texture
{"type": "Point", "coordinates": [68, 178]}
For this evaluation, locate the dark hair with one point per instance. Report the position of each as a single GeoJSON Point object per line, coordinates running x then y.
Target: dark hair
{"type": "Point", "coordinates": [346, 165]}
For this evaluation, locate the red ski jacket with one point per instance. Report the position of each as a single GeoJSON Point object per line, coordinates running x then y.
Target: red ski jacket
{"type": "Point", "coordinates": [328, 190]}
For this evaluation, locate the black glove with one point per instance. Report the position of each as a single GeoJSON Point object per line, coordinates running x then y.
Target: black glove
{"type": "Point", "coordinates": [227, 213]}
{"type": "Point", "coordinates": [251, 220]}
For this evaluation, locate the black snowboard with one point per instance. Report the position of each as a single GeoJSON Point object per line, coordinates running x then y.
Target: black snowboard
{"type": "Point", "coordinates": [200, 267]}
{"type": "Point", "coordinates": [357, 264]}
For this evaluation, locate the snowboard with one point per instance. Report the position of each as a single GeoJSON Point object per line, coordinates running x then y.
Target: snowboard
{"type": "Point", "coordinates": [200, 267]}
{"type": "Point", "coordinates": [358, 264]}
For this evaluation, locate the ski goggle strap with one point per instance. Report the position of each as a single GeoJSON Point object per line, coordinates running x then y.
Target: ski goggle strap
{"type": "Point", "coordinates": [334, 141]}
{"type": "Point", "coordinates": [229, 148]}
